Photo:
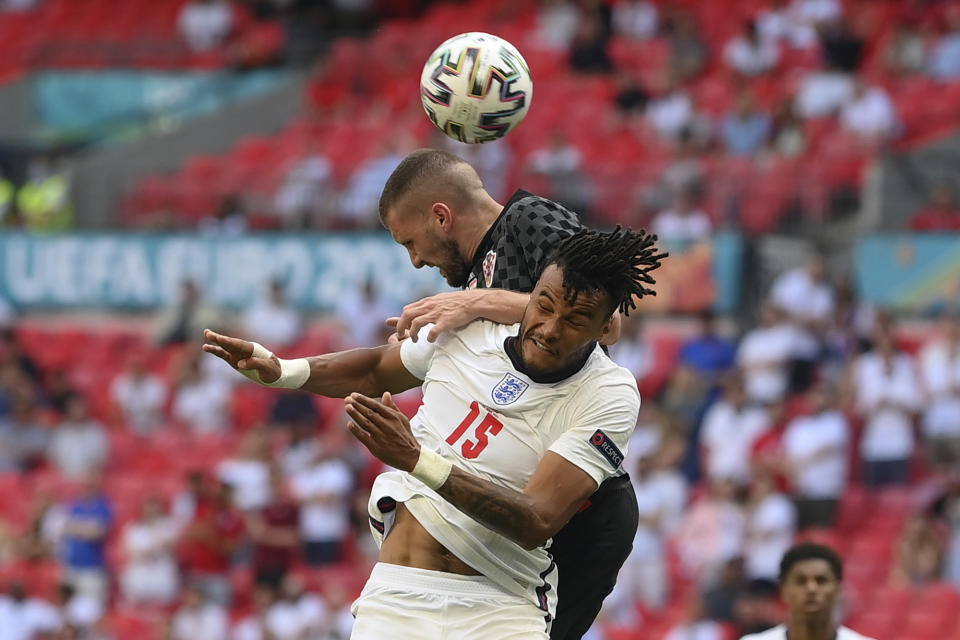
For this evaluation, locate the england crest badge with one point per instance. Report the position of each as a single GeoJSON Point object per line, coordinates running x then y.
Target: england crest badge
{"type": "Point", "coordinates": [489, 261]}
{"type": "Point", "coordinates": [508, 390]}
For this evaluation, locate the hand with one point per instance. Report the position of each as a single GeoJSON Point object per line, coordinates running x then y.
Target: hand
{"type": "Point", "coordinates": [383, 429]}
{"type": "Point", "coordinates": [239, 355]}
{"type": "Point", "coordinates": [447, 311]}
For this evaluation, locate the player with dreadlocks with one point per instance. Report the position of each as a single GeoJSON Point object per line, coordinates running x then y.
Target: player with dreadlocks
{"type": "Point", "coordinates": [519, 426]}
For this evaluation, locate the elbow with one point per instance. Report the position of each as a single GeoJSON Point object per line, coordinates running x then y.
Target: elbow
{"type": "Point", "coordinates": [536, 535]}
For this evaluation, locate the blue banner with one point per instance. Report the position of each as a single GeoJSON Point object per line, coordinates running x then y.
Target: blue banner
{"type": "Point", "coordinates": [919, 272]}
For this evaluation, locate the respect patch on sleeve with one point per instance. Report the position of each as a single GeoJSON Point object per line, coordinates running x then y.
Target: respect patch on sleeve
{"type": "Point", "coordinates": [607, 448]}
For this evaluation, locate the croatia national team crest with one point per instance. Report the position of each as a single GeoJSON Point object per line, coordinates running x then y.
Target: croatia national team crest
{"type": "Point", "coordinates": [508, 390]}
{"type": "Point", "coordinates": [489, 261]}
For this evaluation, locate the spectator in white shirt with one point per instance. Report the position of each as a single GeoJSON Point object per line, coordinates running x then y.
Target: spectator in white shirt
{"type": "Point", "coordinates": [561, 163]}
{"type": "Point", "coordinates": [711, 532]}
{"type": "Point", "coordinates": [750, 54]}
{"type": "Point", "coordinates": [254, 626]}
{"type": "Point", "coordinates": [204, 24]}
{"type": "Point", "coordinates": [557, 22]}
{"type": "Point", "coordinates": [869, 113]}
{"type": "Point", "coordinates": [324, 492]}
{"type": "Point", "coordinates": [78, 611]}
{"type": "Point", "coordinates": [816, 453]}
{"type": "Point", "coordinates": [765, 355]}
{"type": "Point", "coordinates": [940, 370]}
{"type": "Point", "coordinates": [730, 429]}
{"type": "Point", "coordinates": [25, 618]}
{"type": "Point", "coordinates": [200, 401]}
{"type": "Point", "coordinates": [698, 626]}
{"type": "Point", "coordinates": [297, 613]}
{"type": "Point", "coordinates": [684, 222]}
{"type": "Point", "coordinates": [805, 294]}
{"type": "Point", "coordinates": [945, 58]}
{"type": "Point", "coordinates": [771, 527]}
{"type": "Point", "coordinates": [248, 473]}
{"type": "Point", "coordinates": [139, 398]}
{"type": "Point", "coordinates": [199, 618]}
{"type": "Point", "coordinates": [301, 450]}
{"type": "Point", "coordinates": [363, 313]}
{"type": "Point", "coordinates": [273, 320]}
{"type": "Point", "coordinates": [671, 111]}
{"type": "Point", "coordinates": [636, 19]}
{"type": "Point", "coordinates": [888, 396]}
{"type": "Point", "coordinates": [633, 350]}
{"type": "Point", "coordinates": [79, 444]}
{"type": "Point", "coordinates": [823, 93]}
{"type": "Point", "coordinates": [304, 197]}
{"type": "Point", "coordinates": [779, 23]}
{"type": "Point", "coordinates": [150, 575]}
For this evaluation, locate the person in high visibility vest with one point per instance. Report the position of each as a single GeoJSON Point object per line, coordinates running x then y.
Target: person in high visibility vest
{"type": "Point", "coordinates": [44, 201]}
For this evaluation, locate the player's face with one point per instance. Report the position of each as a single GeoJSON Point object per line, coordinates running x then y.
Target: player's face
{"type": "Point", "coordinates": [554, 332]}
{"type": "Point", "coordinates": [429, 246]}
{"type": "Point", "coordinates": [810, 589]}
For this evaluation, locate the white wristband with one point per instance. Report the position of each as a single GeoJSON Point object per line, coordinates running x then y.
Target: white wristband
{"type": "Point", "coordinates": [432, 469]}
{"type": "Point", "coordinates": [293, 373]}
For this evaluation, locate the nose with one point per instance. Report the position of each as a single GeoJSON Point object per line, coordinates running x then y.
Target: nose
{"type": "Point", "coordinates": [415, 259]}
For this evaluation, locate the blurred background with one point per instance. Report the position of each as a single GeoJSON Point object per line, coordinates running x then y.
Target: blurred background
{"type": "Point", "coordinates": [168, 165]}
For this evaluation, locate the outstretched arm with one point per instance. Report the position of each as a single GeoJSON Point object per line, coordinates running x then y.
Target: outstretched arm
{"type": "Point", "coordinates": [368, 371]}
{"type": "Point", "coordinates": [529, 518]}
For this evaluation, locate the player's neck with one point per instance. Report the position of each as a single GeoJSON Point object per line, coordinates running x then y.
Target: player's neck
{"type": "Point", "coordinates": [813, 628]}
{"type": "Point", "coordinates": [487, 213]}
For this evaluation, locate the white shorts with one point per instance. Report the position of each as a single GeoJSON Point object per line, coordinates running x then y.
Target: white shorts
{"type": "Point", "coordinates": [403, 603]}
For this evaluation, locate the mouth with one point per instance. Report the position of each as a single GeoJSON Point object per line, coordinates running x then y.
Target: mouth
{"type": "Point", "coordinates": [541, 345]}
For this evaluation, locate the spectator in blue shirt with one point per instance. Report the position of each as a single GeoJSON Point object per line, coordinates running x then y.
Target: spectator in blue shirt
{"type": "Point", "coordinates": [84, 535]}
{"type": "Point", "coordinates": [708, 356]}
{"type": "Point", "coordinates": [746, 130]}
{"type": "Point", "coordinates": [945, 57]}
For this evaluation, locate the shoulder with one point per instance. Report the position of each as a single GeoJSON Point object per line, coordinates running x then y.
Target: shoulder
{"type": "Point", "coordinates": [477, 336]}
{"type": "Point", "coordinates": [528, 213]}
{"type": "Point", "coordinates": [777, 633]}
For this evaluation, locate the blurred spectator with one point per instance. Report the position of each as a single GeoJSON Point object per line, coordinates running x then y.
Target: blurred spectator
{"type": "Point", "coordinates": [209, 543]}
{"type": "Point", "coordinates": [13, 353]}
{"type": "Point", "coordinates": [358, 203]}
{"type": "Point", "coordinates": [85, 532]}
{"type": "Point", "coordinates": [205, 24]}
{"type": "Point", "coordinates": [23, 441]}
{"type": "Point", "coordinates": [588, 51]}
{"type": "Point", "coordinates": [823, 93]}
{"type": "Point", "coordinates": [750, 54]}
{"type": "Point", "coordinates": [44, 199]}
{"type": "Point", "coordinates": [301, 450]}
{"type": "Point", "coordinates": [765, 354]}
{"type": "Point", "coordinates": [557, 22]}
{"type": "Point", "coordinates": [229, 221]}
{"type": "Point", "coordinates": [200, 401]}
{"type": "Point", "coordinates": [906, 51]}
{"type": "Point", "coordinates": [816, 13]}
{"type": "Point", "coordinates": [779, 22]}
{"type": "Point", "coordinates": [44, 530]}
{"type": "Point", "coordinates": [758, 607]}
{"type": "Point", "coordinates": [293, 408]}
{"type": "Point", "coordinates": [633, 350]}
{"type": "Point", "coordinates": [940, 372]}
{"type": "Point", "coordinates": [363, 314]}
{"type": "Point", "coordinates": [869, 114]}
{"type": "Point", "coordinates": [670, 112]}
{"type": "Point", "coordinates": [919, 552]}
{"type": "Point", "coordinates": [187, 320]}
{"type": "Point", "coordinates": [254, 626]}
{"type": "Point", "coordinates": [788, 137]}
{"type": "Point", "coordinates": [730, 429]}
{"type": "Point", "coordinates": [816, 454]}
{"type": "Point", "coordinates": [688, 49]}
{"type": "Point", "coordinates": [273, 320]}
{"type": "Point", "coordinates": [78, 610]}
{"type": "Point", "coordinates": [771, 526]}
{"type": "Point", "coordinates": [684, 222]}
{"type": "Point", "coordinates": [275, 533]}
{"type": "Point", "coordinates": [492, 162]}
{"type": "Point", "coordinates": [303, 198]}
{"type": "Point", "coordinates": [842, 48]}
{"type": "Point", "coordinates": [58, 391]}
{"type": "Point", "coordinates": [19, 5]}
{"type": "Point", "coordinates": [297, 613]}
{"type": "Point", "coordinates": [79, 444]}
{"type": "Point", "coordinates": [561, 163]}
{"type": "Point", "coordinates": [698, 625]}
{"type": "Point", "coordinates": [711, 533]}
{"type": "Point", "coordinates": [723, 590]}
{"type": "Point", "coordinates": [708, 356]}
{"type": "Point", "coordinates": [139, 397]}
{"type": "Point", "coordinates": [324, 491]}
{"type": "Point", "coordinates": [887, 396]}
{"type": "Point", "coordinates": [184, 506]}
{"type": "Point", "coordinates": [631, 98]}
{"type": "Point", "coordinates": [338, 605]}
{"type": "Point", "coordinates": [638, 19]}
{"type": "Point", "coordinates": [198, 617]}
{"type": "Point", "coordinates": [805, 294]}
{"type": "Point", "coordinates": [946, 508]}
{"type": "Point", "coordinates": [945, 57]}
{"type": "Point", "coordinates": [150, 575]}
{"type": "Point", "coordinates": [941, 214]}
{"type": "Point", "coordinates": [25, 618]}
{"type": "Point", "coordinates": [746, 129]}
{"type": "Point", "coordinates": [248, 472]}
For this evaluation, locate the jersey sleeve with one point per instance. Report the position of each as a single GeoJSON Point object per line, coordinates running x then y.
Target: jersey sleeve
{"type": "Point", "coordinates": [416, 356]}
{"type": "Point", "coordinates": [602, 426]}
{"type": "Point", "coordinates": [539, 226]}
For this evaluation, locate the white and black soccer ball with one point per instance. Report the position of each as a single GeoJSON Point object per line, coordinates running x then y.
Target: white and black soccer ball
{"type": "Point", "coordinates": [476, 87]}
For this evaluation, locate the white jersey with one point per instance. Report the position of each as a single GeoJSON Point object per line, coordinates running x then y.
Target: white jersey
{"type": "Point", "coordinates": [780, 633]}
{"type": "Point", "coordinates": [495, 422]}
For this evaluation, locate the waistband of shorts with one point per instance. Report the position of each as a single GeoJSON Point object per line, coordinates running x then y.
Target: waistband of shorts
{"type": "Point", "coordinates": [439, 582]}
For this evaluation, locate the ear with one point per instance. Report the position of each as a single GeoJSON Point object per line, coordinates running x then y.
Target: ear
{"type": "Point", "coordinates": [441, 214]}
{"type": "Point", "coordinates": [611, 330]}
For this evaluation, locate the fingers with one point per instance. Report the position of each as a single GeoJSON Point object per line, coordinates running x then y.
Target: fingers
{"type": "Point", "coordinates": [217, 351]}
{"type": "Point", "coordinates": [364, 418]}
{"type": "Point", "coordinates": [372, 405]}
{"type": "Point", "coordinates": [360, 434]}
{"type": "Point", "coordinates": [435, 332]}
{"type": "Point", "coordinates": [240, 348]}
{"type": "Point", "coordinates": [392, 321]}
{"type": "Point", "coordinates": [387, 400]}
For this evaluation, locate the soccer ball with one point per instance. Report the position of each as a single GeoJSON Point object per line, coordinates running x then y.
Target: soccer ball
{"type": "Point", "coordinates": [476, 87]}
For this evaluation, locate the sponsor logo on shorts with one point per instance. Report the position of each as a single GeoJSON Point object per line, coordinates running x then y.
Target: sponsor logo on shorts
{"type": "Point", "coordinates": [607, 449]}
{"type": "Point", "coordinates": [508, 390]}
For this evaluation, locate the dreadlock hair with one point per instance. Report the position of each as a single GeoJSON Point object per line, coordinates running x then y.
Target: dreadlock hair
{"type": "Point", "coordinates": [617, 262]}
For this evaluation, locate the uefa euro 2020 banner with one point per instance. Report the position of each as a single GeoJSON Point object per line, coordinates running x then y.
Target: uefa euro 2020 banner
{"type": "Point", "coordinates": [910, 272]}
{"type": "Point", "coordinates": [145, 271]}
